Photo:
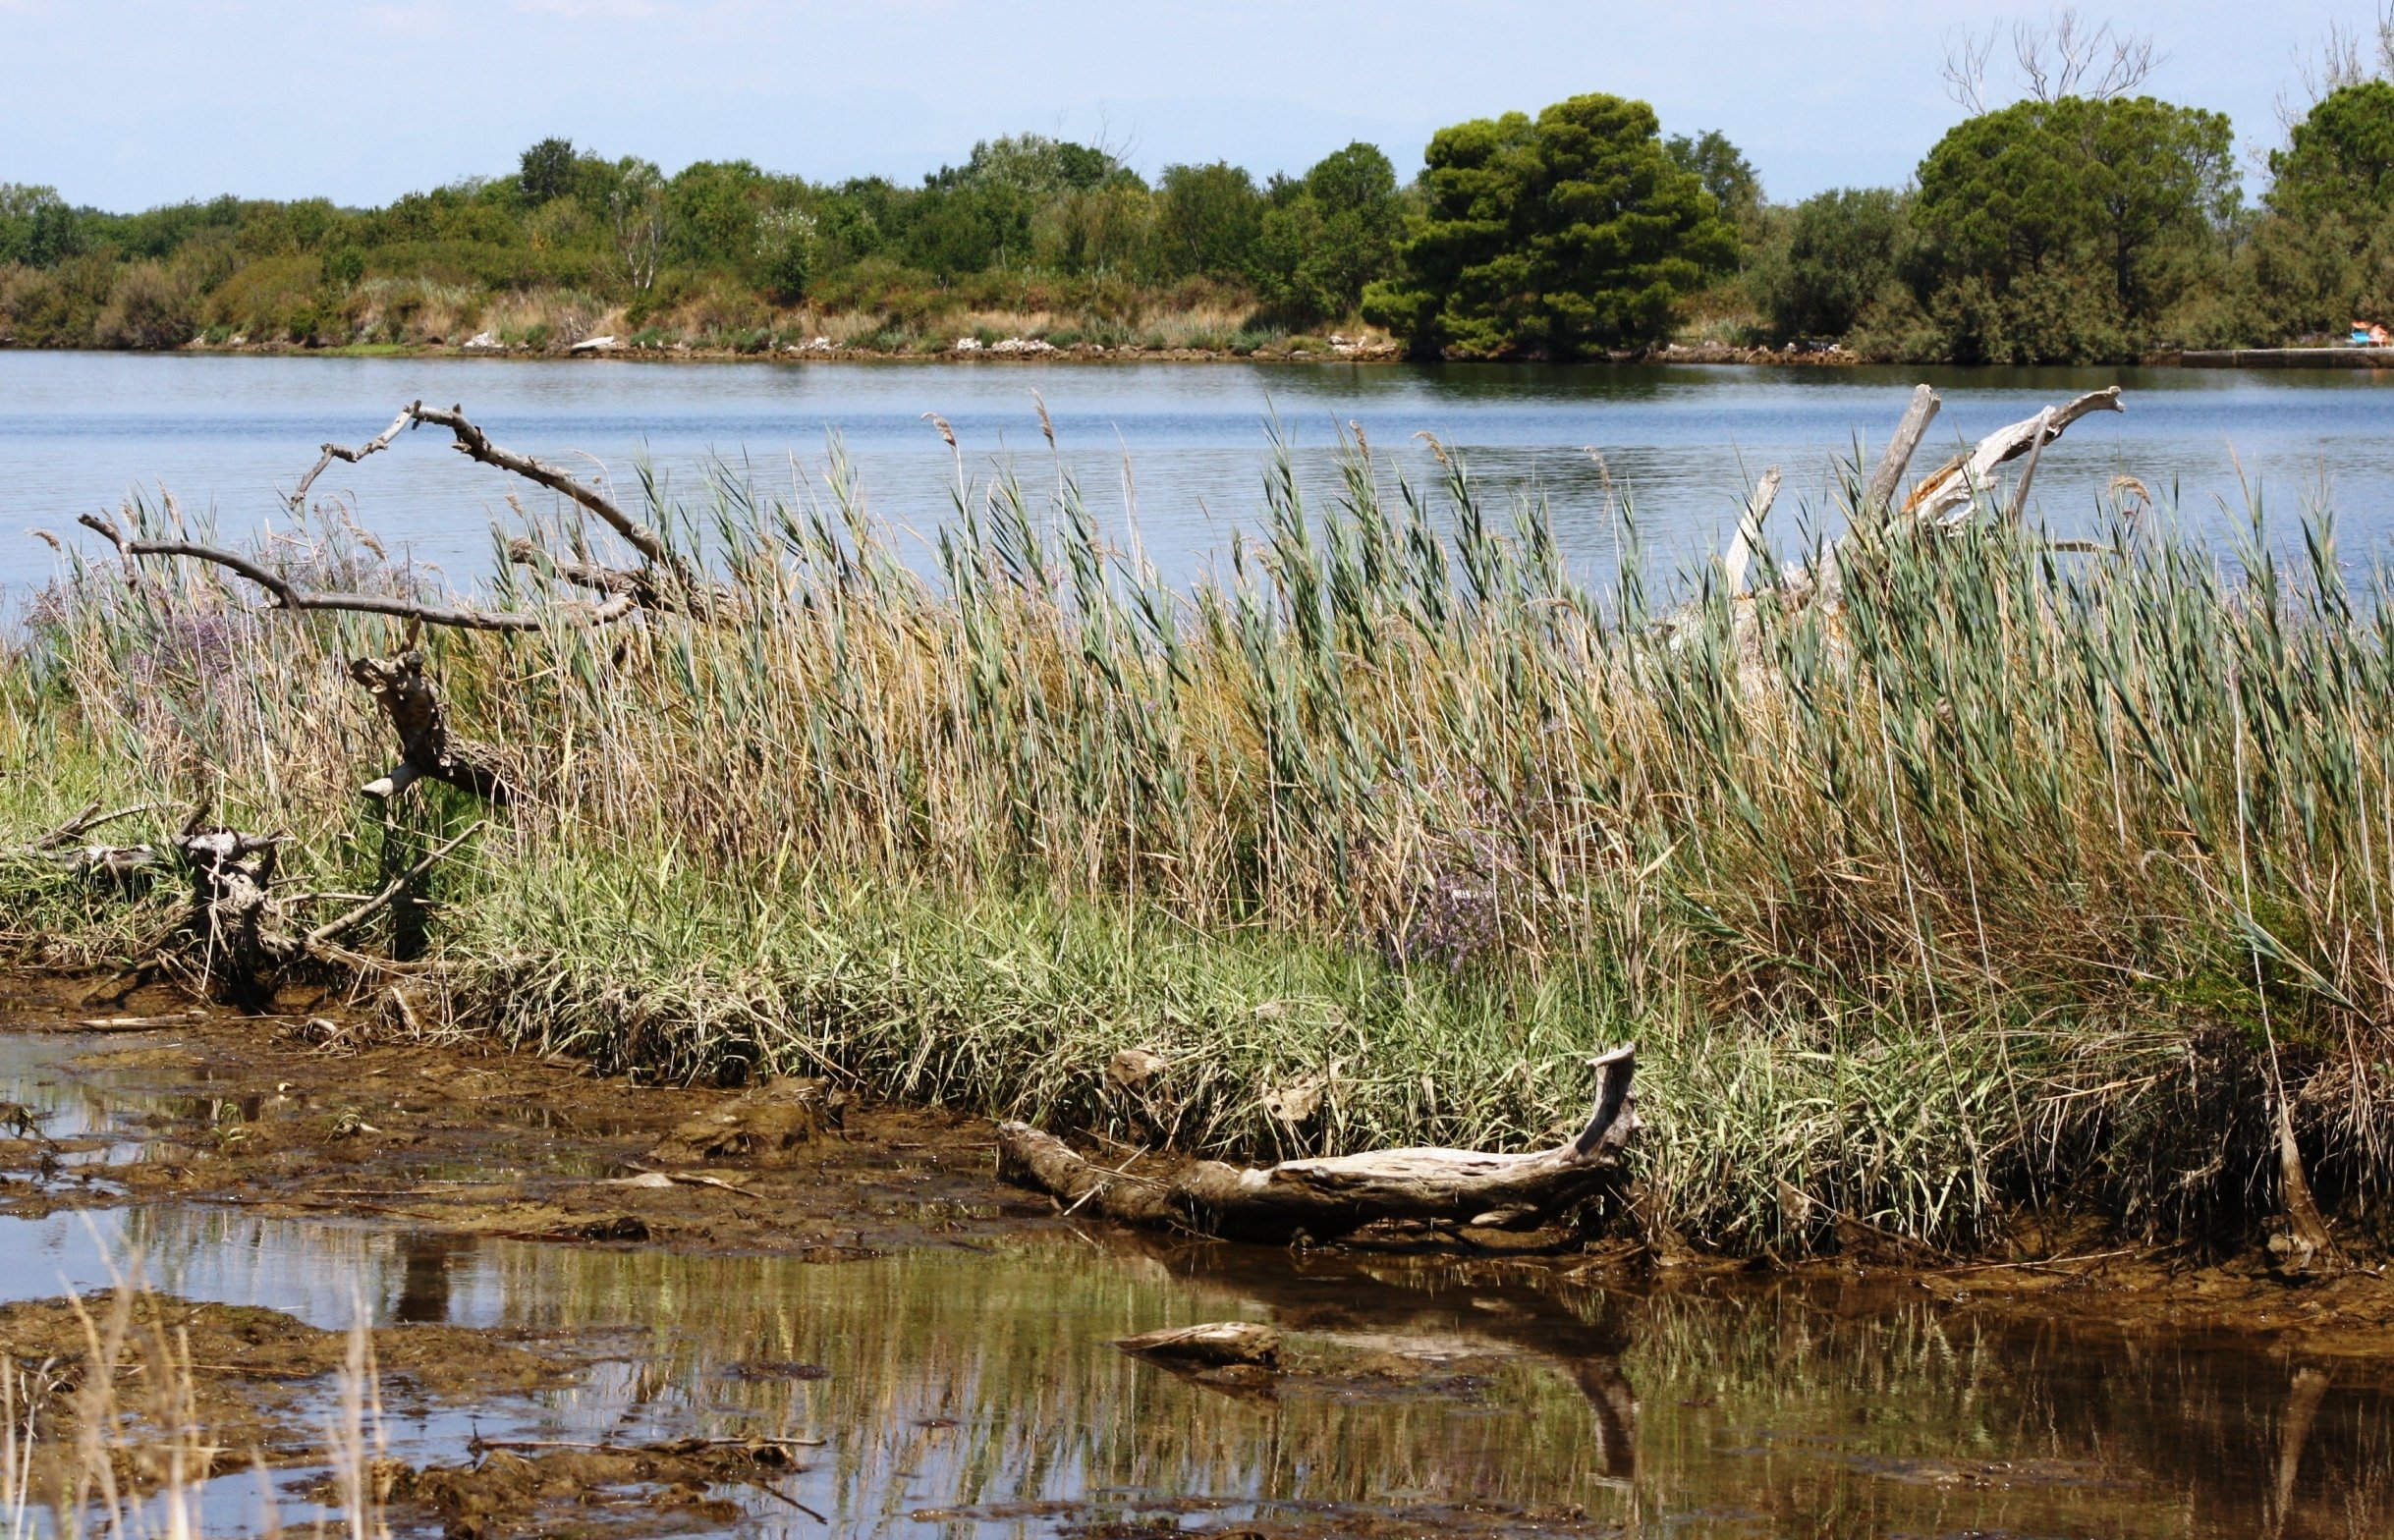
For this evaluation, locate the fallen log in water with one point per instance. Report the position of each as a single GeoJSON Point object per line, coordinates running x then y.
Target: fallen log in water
{"type": "Point", "coordinates": [1328, 1197]}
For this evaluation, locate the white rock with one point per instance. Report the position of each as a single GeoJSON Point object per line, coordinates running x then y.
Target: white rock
{"type": "Point", "coordinates": [967, 344]}
{"type": "Point", "coordinates": [482, 340]}
{"type": "Point", "coordinates": [594, 345]}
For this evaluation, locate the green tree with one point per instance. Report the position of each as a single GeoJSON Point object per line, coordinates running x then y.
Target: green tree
{"type": "Point", "coordinates": [2060, 231]}
{"type": "Point", "coordinates": [2340, 158]}
{"type": "Point", "coordinates": [1828, 259]}
{"type": "Point", "coordinates": [36, 227]}
{"type": "Point", "coordinates": [711, 208]}
{"type": "Point", "coordinates": [1207, 219]}
{"type": "Point", "coordinates": [548, 170]}
{"type": "Point", "coordinates": [1324, 237]}
{"type": "Point", "coordinates": [1558, 236]}
{"type": "Point", "coordinates": [2323, 253]}
{"type": "Point", "coordinates": [1726, 174]}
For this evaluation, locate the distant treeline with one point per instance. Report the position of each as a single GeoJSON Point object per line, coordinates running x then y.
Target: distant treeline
{"type": "Point", "coordinates": [2061, 228]}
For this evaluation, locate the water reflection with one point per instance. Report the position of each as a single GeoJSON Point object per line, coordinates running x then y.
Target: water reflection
{"type": "Point", "coordinates": [977, 1392]}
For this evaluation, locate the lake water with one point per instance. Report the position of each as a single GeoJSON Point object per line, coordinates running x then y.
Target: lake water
{"type": "Point", "coordinates": [1174, 452]}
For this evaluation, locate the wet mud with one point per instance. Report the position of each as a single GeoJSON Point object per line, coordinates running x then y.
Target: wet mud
{"type": "Point", "coordinates": [596, 1307]}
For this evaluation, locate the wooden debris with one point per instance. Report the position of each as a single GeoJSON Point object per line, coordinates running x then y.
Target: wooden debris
{"type": "Point", "coordinates": [1947, 494]}
{"type": "Point", "coordinates": [427, 746]}
{"type": "Point", "coordinates": [1215, 1345]}
{"type": "Point", "coordinates": [1325, 1198]}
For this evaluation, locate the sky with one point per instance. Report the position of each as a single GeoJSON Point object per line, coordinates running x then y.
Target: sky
{"type": "Point", "coordinates": [126, 106]}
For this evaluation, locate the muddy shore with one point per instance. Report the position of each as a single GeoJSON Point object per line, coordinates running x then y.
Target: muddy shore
{"type": "Point", "coordinates": [309, 1120]}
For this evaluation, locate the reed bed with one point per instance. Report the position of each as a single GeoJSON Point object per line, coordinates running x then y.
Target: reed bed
{"type": "Point", "coordinates": [2022, 880]}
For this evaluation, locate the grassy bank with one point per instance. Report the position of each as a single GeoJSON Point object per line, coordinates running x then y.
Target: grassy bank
{"type": "Point", "coordinates": [2015, 884]}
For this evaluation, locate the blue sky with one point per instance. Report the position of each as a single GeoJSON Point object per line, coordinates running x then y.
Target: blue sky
{"type": "Point", "coordinates": [125, 105]}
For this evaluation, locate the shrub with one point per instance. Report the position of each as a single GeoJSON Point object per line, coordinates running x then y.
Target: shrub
{"type": "Point", "coordinates": [149, 308]}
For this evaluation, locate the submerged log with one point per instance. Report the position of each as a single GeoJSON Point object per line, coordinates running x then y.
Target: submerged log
{"type": "Point", "coordinates": [1214, 1345]}
{"type": "Point", "coordinates": [1325, 1198]}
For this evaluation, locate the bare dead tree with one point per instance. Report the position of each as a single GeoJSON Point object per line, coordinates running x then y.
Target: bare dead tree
{"type": "Point", "coordinates": [1964, 70]}
{"type": "Point", "coordinates": [638, 211]}
{"type": "Point", "coordinates": [2067, 57]}
{"type": "Point", "coordinates": [399, 684]}
{"type": "Point", "coordinates": [2063, 56]}
{"type": "Point", "coordinates": [2342, 61]}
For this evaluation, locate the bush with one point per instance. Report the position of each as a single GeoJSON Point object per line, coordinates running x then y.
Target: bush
{"type": "Point", "coordinates": [1826, 259]}
{"type": "Point", "coordinates": [269, 297]}
{"type": "Point", "coordinates": [149, 308]}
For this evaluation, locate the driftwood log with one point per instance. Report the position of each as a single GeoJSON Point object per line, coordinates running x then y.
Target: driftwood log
{"type": "Point", "coordinates": [1948, 493]}
{"type": "Point", "coordinates": [66, 849]}
{"type": "Point", "coordinates": [1325, 1198]}
{"type": "Point", "coordinates": [1944, 498]}
{"type": "Point", "coordinates": [427, 746]}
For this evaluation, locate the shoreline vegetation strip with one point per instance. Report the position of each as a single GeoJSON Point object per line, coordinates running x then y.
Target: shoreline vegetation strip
{"type": "Point", "coordinates": [2021, 880]}
{"type": "Point", "coordinates": [1580, 232]}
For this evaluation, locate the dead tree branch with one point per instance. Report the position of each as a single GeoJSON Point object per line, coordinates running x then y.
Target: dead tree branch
{"type": "Point", "coordinates": [334, 931]}
{"type": "Point", "coordinates": [476, 445]}
{"type": "Point", "coordinates": [1749, 541]}
{"type": "Point", "coordinates": [288, 596]}
{"type": "Point", "coordinates": [427, 746]}
{"type": "Point", "coordinates": [1330, 1197]}
{"type": "Point", "coordinates": [2064, 56]}
{"type": "Point", "coordinates": [332, 452]}
{"type": "Point", "coordinates": [1947, 494]}
{"type": "Point", "coordinates": [1917, 415]}
{"type": "Point", "coordinates": [59, 848]}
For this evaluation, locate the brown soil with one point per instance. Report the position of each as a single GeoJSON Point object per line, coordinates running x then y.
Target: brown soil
{"type": "Point", "coordinates": [288, 1116]}
{"type": "Point", "coordinates": [254, 1373]}
{"type": "Point", "coordinates": [651, 1488]}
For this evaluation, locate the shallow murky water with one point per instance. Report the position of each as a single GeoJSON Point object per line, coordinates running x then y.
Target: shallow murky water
{"type": "Point", "coordinates": [961, 1391]}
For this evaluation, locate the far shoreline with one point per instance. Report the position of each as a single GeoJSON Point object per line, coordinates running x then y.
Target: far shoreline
{"type": "Point", "coordinates": [1367, 353]}
{"type": "Point", "coordinates": [2373, 360]}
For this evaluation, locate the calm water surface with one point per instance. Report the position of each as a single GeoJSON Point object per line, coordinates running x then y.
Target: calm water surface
{"type": "Point", "coordinates": [973, 1391]}
{"type": "Point", "coordinates": [1171, 455]}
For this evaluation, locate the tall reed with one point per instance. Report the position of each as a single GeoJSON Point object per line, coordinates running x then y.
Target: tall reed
{"type": "Point", "coordinates": [1996, 883]}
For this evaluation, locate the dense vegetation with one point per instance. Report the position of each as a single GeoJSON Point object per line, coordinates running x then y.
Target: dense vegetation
{"type": "Point", "coordinates": [2019, 878]}
{"type": "Point", "coordinates": [2060, 228]}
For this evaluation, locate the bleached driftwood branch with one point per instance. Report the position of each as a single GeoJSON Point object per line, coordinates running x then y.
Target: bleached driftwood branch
{"type": "Point", "coordinates": [1328, 1197]}
{"type": "Point", "coordinates": [1946, 494]}
{"type": "Point", "coordinates": [61, 847]}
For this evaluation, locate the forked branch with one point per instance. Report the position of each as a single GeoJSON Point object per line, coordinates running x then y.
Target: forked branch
{"type": "Point", "coordinates": [290, 596]}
